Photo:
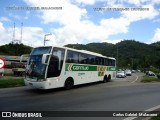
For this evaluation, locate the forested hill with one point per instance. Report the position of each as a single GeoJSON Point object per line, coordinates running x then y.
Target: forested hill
{"type": "Point", "coordinates": [14, 49]}
{"type": "Point", "coordinates": [131, 54]}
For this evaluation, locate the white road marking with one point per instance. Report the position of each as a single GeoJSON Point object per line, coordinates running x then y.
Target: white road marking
{"type": "Point", "coordinates": [154, 108]}
{"type": "Point", "coordinates": [150, 109]}
{"type": "Point", "coordinates": [135, 79]}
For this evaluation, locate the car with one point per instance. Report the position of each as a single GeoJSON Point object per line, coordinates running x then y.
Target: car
{"type": "Point", "coordinates": [133, 71]}
{"type": "Point", "coordinates": [2, 72]}
{"type": "Point", "coordinates": [138, 70]}
{"type": "Point", "coordinates": [128, 73]}
{"type": "Point", "coordinates": [121, 74]}
{"type": "Point", "coordinates": [150, 73]}
{"type": "Point", "coordinates": [158, 75]}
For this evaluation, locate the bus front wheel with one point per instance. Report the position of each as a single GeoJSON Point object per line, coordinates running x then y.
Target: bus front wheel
{"type": "Point", "coordinates": [69, 83]}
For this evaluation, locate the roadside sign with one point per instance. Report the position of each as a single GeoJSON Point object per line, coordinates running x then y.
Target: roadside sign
{"type": "Point", "coordinates": [2, 63]}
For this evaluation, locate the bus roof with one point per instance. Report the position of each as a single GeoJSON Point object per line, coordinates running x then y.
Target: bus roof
{"type": "Point", "coordinates": [82, 51]}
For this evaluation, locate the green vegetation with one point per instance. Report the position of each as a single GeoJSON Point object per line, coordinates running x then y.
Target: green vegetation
{"type": "Point", "coordinates": [155, 70]}
{"type": "Point", "coordinates": [155, 118]}
{"type": "Point", "coordinates": [11, 82]}
{"type": "Point", "coordinates": [14, 49]}
{"type": "Point", "coordinates": [8, 74]}
{"type": "Point", "coordinates": [131, 54]}
{"type": "Point", "coordinates": [150, 79]}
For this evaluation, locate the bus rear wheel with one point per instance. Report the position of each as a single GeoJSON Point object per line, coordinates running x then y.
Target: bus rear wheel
{"type": "Point", "coordinates": [109, 78]}
{"type": "Point", "coordinates": [69, 83]}
{"type": "Point", "coordinates": [105, 79]}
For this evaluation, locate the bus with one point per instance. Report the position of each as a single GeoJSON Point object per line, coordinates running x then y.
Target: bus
{"type": "Point", "coordinates": [53, 67]}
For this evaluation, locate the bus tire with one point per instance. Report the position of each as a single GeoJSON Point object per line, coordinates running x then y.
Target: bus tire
{"type": "Point", "coordinates": [69, 83]}
{"type": "Point", "coordinates": [109, 78]}
{"type": "Point", "coordinates": [105, 79]}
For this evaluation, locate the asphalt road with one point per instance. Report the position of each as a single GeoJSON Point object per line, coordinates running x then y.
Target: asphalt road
{"type": "Point", "coordinates": [118, 95]}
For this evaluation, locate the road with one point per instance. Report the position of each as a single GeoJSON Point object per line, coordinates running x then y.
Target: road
{"type": "Point", "coordinates": [118, 95]}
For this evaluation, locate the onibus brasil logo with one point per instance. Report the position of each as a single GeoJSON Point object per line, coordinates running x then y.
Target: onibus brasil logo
{"type": "Point", "coordinates": [2, 63]}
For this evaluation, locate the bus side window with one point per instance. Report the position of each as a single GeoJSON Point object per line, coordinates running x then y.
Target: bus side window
{"type": "Point", "coordinates": [101, 61]}
{"type": "Point", "coordinates": [113, 62]}
{"type": "Point", "coordinates": [109, 62]}
{"type": "Point", "coordinates": [75, 57]}
{"type": "Point", "coordinates": [69, 57]}
{"type": "Point", "coordinates": [72, 57]}
{"type": "Point", "coordinates": [106, 62]}
{"type": "Point", "coordinates": [97, 60]}
{"type": "Point", "coordinates": [92, 60]}
{"type": "Point", "coordinates": [82, 58]}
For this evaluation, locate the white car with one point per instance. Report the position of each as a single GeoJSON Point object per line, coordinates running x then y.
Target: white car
{"type": "Point", "coordinates": [121, 74]}
{"type": "Point", "coordinates": [128, 73]}
{"type": "Point", "coordinates": [150, 73]}
{"type": "Point", "coordinates": [2, 72]}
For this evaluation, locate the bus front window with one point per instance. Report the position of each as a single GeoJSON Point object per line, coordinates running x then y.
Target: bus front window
{"type": "Point", "coordinates": [35, 68]}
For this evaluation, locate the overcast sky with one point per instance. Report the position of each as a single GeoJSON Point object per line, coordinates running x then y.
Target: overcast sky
{"type": "Point", "coordinates": [79, 21]}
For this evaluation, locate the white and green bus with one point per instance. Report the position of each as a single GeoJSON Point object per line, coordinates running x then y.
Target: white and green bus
{"type": "Point", "coordinates": [53, 67]}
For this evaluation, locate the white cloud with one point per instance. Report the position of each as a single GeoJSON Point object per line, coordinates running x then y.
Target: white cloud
{"type": "Point", "coordinates": [156, 36]}
{"type": "Point", "coordinates": [5, 19]}
{"type": "Point", "coordinates": [133, 16]}
{"type": "Point", "coordinates": [1, 28]}
{"type": "Point", "coordinates": [15, 16]}
{"type": "Point", "coordinates": [4, 37]}
{"type": "Point", "coordinates": [116, 25]}
{"type": "Point", "coordinates": [156, 1]}
{"type": "Point", "coordinates": [83, 31]}
{"type": "Point", "coordinates": [112, 41]}
{"type": "Point", "coordinates": [70, 13]}
{"type": "Point", "coordinates": [136, 3]}
{"type": "Point", "coordinates": [86, 2]}
{"type": "Point", "coordinates": [32, 36]}
{"type": "Point", "coordinates": [76, 26]}
{"type": "Point", "coordinates": [86, 30]}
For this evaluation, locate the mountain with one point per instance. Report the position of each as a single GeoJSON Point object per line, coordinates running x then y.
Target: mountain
{"type": "Point", "coordinates": [131, 54]}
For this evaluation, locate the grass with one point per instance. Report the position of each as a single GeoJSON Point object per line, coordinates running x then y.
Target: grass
{"type": "Point", "coordinates": [11, 82]}
{"type": "Point", "coordinates": [150, 79]}
{"type": "Point", "coordinates": [8, 74]}
{"type": "Point", "coordinates": [155, 118]}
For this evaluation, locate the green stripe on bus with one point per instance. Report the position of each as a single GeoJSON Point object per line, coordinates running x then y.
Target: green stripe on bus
{"type": "Point", "coordinates": [79, 67]}
{"type": "Point", "coordinates": [111, 68]}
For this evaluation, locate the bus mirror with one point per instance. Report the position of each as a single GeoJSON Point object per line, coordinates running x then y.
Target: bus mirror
{"type": "Point", "coordinates": [45, 58]}
{"type": "Point", "coordinates": [24, 56]}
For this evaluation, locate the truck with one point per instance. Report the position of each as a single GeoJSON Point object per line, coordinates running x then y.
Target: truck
{"type": "Point", "coordinates": [1, 72]}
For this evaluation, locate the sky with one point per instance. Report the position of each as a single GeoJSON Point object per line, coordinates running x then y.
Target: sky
{"type": "Point", "coordinates": [79, 21]}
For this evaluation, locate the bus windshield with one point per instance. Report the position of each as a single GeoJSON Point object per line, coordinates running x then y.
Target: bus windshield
{"type": "Point", "coordinates": [35, 68]}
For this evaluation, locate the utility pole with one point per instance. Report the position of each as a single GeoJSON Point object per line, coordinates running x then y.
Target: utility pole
{"type": "Point", "coordinates": [117, 56]}
{"type": "Point", "coordinates": [45, 37]}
